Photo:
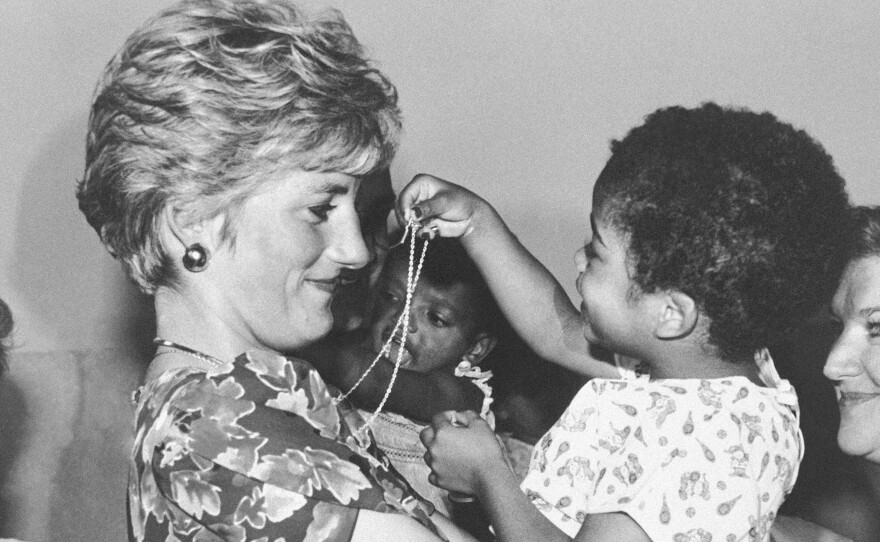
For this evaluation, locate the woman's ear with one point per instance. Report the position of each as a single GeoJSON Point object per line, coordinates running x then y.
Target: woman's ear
{"type": "Point", "coordinates": [190, 229]}
{"type": "Point", "coordinates": [678, 315]}
{"type": "Point", "coordinates": [481, 348]}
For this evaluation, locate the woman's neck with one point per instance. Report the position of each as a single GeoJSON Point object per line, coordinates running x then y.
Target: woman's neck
{"type": "Point", "coordinates": [195, 322]}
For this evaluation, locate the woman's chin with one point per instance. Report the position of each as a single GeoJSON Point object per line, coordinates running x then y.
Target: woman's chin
{"type": "Point", "coordinates": [859, 441]}
{"type": "Point", "coordinates": [322, 331]}
{"type": "Point", "coordinates": [307, 333]}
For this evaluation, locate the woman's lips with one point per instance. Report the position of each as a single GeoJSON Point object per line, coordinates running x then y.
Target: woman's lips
{"type": "Point", "coordinates": [328, 285]}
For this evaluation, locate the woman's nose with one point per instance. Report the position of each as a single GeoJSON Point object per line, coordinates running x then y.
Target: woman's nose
{"type": "Point", "coordinates": [348, 247]}
{"type": "Point", "coordinates": [843, 360]}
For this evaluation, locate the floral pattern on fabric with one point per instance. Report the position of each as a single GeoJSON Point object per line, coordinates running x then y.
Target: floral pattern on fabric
{"type": "Point", "coordinates": [398, 437]}
{"type": "Point", "coordinates": [688, 460]}
{"type": "Point", "coordinates": [255, 450]}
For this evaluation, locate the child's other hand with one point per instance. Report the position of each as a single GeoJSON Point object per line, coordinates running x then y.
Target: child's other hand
{"type": "Point", "coordinates": [449, 209]}
{"type": "Point", "coordinates": [462, 451]}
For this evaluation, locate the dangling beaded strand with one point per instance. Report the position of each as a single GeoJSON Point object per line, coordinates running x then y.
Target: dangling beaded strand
{"type": "Point", "coordinates": [214, 362]}
{"type": "Point", "coordinates": [412, 277]}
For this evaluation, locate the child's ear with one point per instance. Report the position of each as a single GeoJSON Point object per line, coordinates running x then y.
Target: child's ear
{"type": "Point", "coordinates": [677, 317]}
{"type": "Point", "coordinates": [483, 345]}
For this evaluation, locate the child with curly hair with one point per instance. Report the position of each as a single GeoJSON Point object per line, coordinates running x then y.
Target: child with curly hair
{"type": "Point", "coordinates": [714, 232]}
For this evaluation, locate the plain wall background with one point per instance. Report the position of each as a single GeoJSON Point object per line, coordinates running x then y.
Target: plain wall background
{"type": "Point", "coordinates": [516, 100]}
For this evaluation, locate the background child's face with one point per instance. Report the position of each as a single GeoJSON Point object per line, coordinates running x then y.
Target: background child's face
{"type": "Point", "coordinates": [611, 316]}
{"type": "Point", "coordinates": [442, 323]}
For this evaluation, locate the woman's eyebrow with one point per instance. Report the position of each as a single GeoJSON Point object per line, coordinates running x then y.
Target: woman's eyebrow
{"type": "Point", "coordinates": [331, 187]}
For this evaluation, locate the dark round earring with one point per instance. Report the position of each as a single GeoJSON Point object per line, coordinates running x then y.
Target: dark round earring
{"type": "Point", "coordinates": [195, 258]}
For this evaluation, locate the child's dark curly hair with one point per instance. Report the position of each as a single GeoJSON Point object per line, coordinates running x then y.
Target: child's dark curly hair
{"type": "Point", "coordinates": [742, 212]}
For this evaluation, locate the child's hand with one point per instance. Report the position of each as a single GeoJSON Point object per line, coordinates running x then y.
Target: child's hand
{"type": "Point", "coordinates": [462, 451]}
{"type": "Point", "coordinates": [446, 208]}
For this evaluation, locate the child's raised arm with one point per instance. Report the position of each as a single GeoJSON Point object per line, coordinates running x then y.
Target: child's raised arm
{"type": "Point", "coordinates": [530, 297]}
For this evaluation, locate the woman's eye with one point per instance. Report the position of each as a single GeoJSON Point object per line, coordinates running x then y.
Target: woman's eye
{"type": "Point", "coordinates": [322, 211]}
{"type": "Point", "coordinates": [874, 328]}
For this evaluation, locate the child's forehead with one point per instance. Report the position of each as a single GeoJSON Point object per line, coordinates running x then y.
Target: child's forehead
{"type": "Point", "coordinates": [397, 265]}
{"type": "Point", "coordinates": [456, 294]}
{"type": "Point", "coordinates": [602, 222]}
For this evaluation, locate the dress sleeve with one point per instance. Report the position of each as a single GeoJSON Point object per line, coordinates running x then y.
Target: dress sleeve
{"type": "Point", "coordinates": [564, 468]}
{"type": "Point", "coordinates": [263, 451]}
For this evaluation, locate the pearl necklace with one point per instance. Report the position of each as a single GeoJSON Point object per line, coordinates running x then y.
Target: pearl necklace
{"type": "Point", "coordinates": [412, 277]}
{"type": "Point", "coordinates": [211, 360]}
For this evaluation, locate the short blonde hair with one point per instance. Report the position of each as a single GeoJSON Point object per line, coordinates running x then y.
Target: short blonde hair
{"type": "Point", "coordinates": [211, 98]}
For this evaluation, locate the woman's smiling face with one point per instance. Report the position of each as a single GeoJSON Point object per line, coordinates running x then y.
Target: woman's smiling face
{"type": "Point", "coordinates": [854, 361]}
{"type": "Point", "coordinates": [292, 240]}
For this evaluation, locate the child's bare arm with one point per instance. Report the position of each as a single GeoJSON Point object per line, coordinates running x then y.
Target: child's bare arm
{"type": "Point", "coordinates": [530, 297]}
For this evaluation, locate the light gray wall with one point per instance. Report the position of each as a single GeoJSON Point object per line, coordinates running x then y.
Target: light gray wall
{"type": "Point", "coordinates": [516, 100]}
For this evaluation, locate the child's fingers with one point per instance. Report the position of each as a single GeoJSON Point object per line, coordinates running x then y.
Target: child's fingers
{"type": "Point", "coordinates": [452, 418]}
{"type": "Point", "coordinates": [433, 210]}
{"type": "Point", "coordinates": [422, 187]}
{"type": "Point", "coordinates": [426, 435]}
{"type": "Point", "coordinates": [442, 419]}
{"type": "Point", "coordinates": [457, 419]}
{"type": "Point", "coordinates": [467, 416]}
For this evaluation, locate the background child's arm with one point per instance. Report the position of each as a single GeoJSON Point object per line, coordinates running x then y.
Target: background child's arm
{"type": "Point", "coordinates": [530, 297]}
{"type": "Point", "coordinates": [419, 396]}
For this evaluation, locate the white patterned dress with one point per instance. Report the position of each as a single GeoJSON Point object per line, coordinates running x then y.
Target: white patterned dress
{"type": "Point", "coordinates": [689, 460]}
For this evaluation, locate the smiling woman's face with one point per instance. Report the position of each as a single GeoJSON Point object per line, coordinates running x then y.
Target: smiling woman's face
{"type": "Point", "coordinates": [292, 241]}
{"type": "Point", "coordinates": [854, 361]}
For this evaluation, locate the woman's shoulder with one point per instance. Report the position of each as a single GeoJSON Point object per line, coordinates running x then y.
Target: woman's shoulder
{"type": "Point", "coordinates": [253, 379]}
{"type": "Point", "coordinates": [267, 376]}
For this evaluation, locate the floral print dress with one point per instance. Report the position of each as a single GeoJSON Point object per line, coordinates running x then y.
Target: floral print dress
{"type": "Point", "coordinates": [689, 460]}
{"type": "Point", "coordinates": [255, 449]}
